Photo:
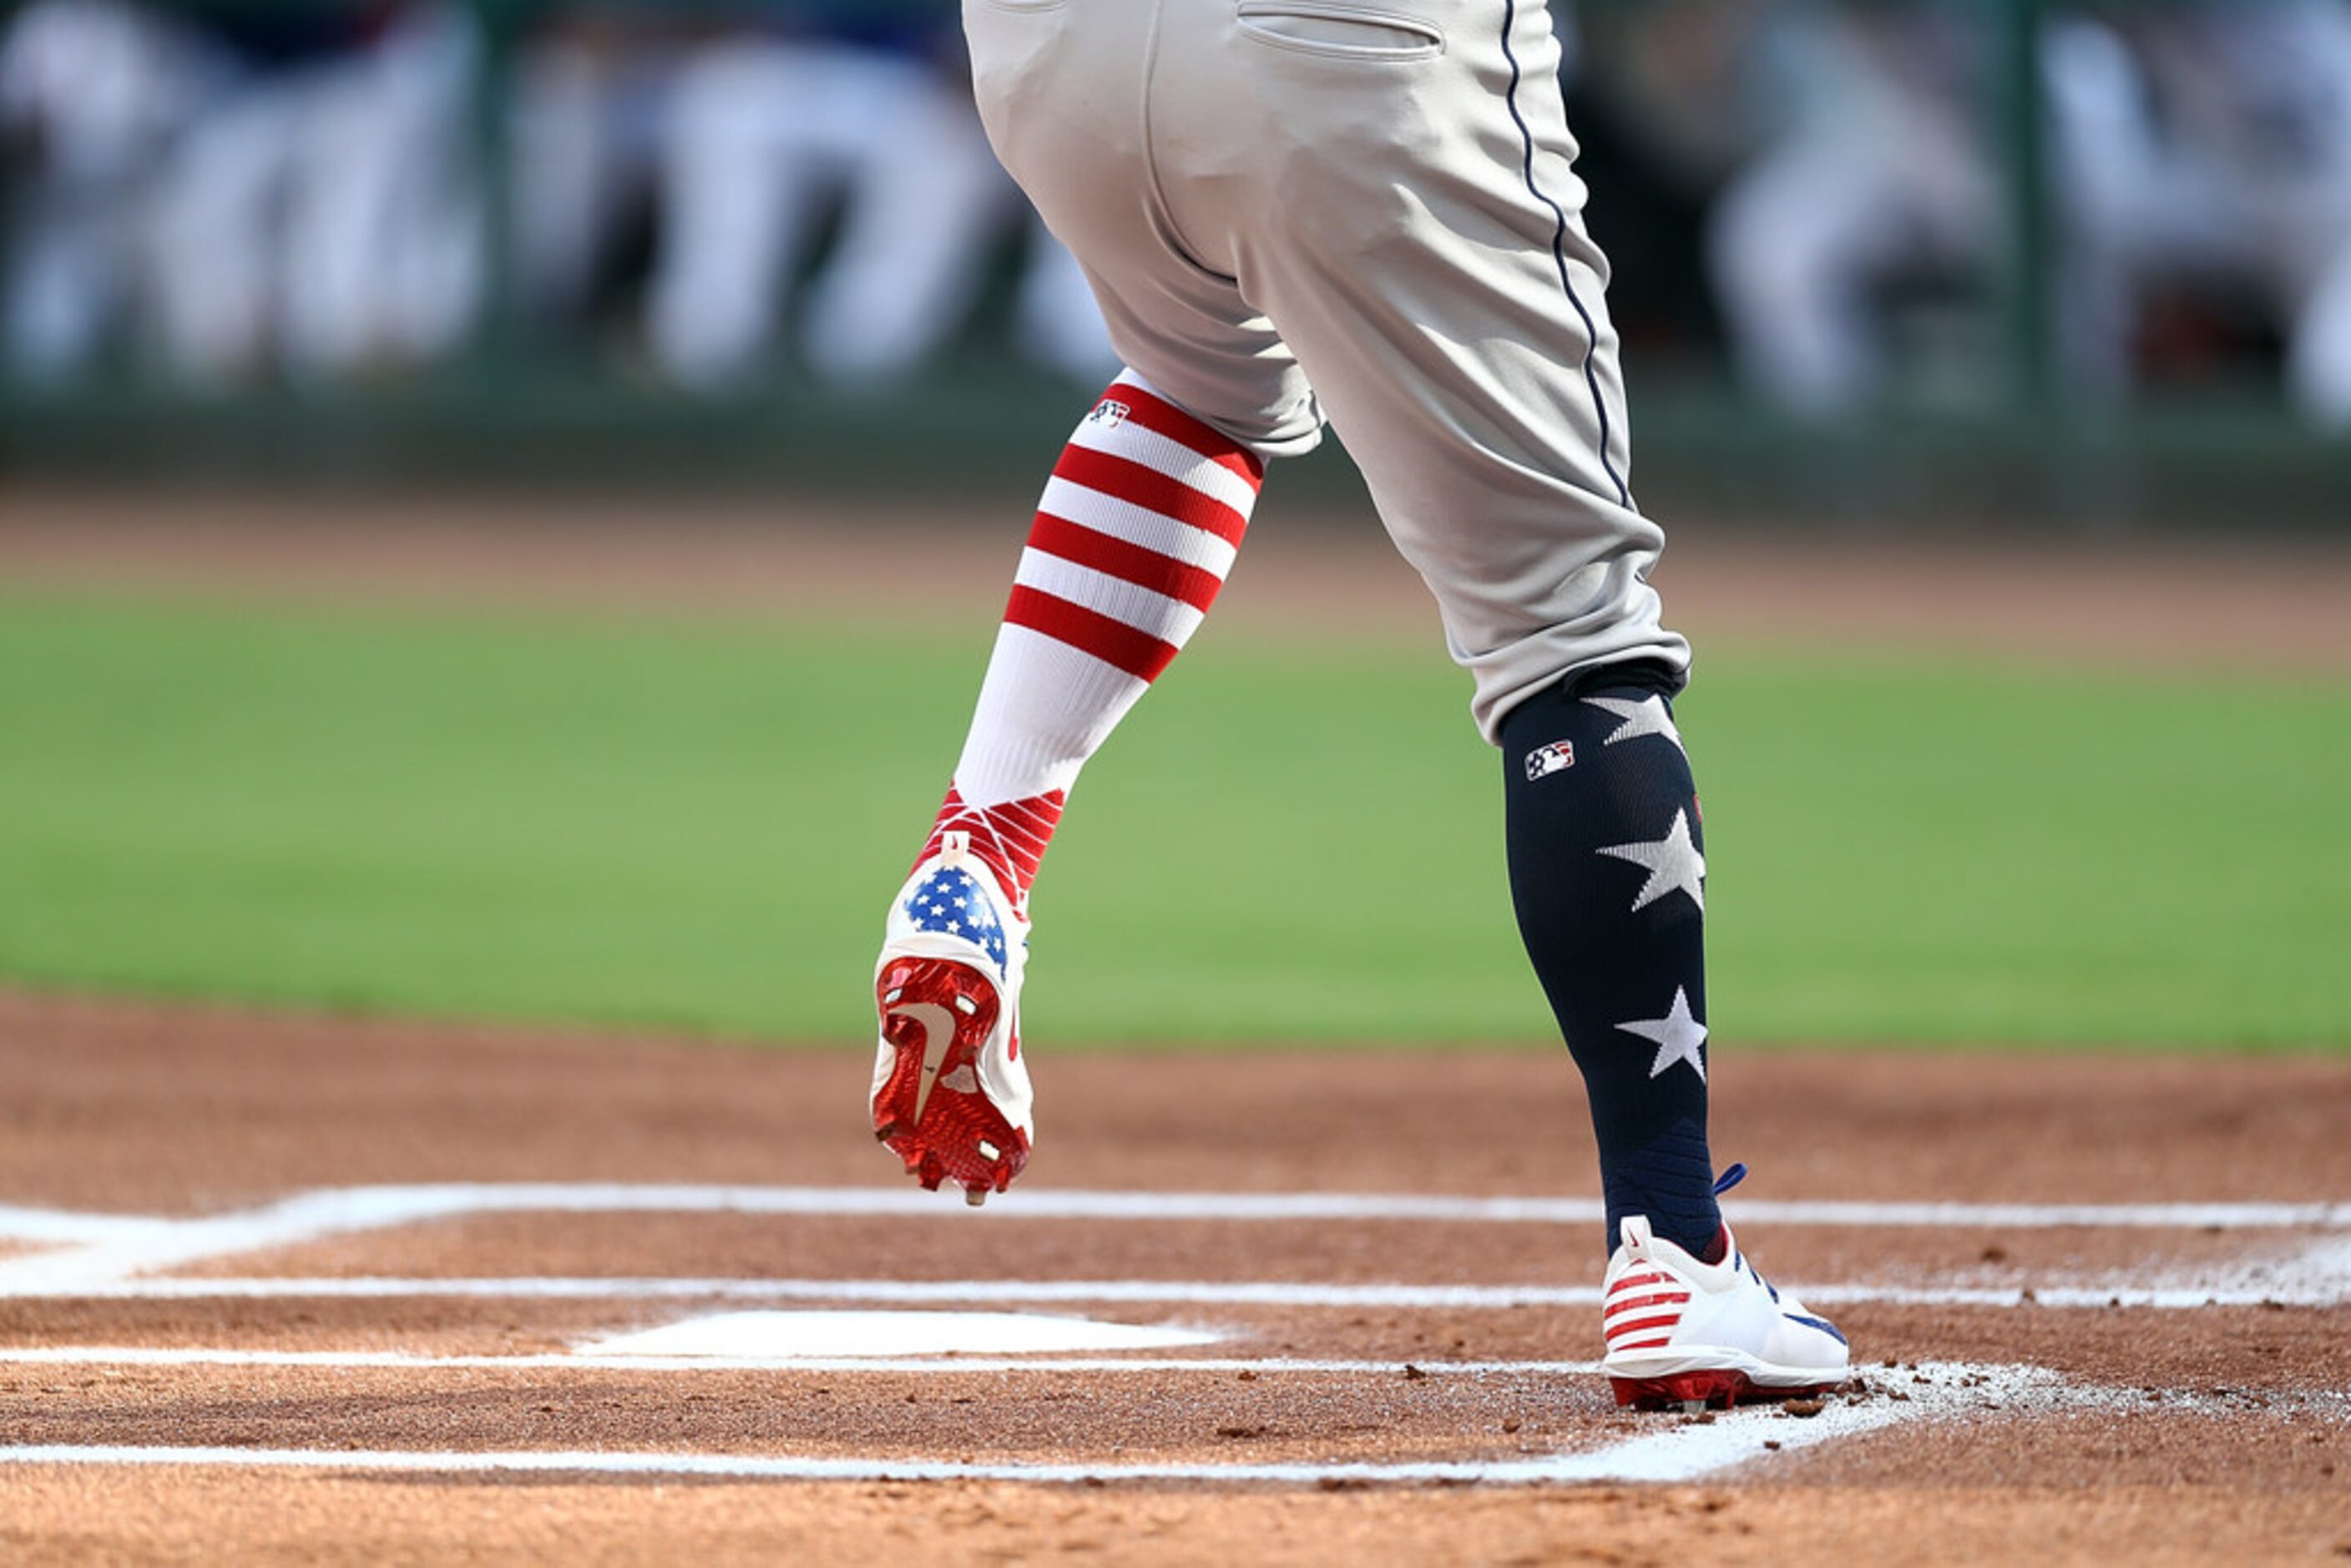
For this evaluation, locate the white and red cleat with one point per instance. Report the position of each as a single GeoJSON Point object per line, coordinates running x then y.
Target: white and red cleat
{"type": "Point", "coordinates": [951, 1094]}
{"type": "Point", "coordinates": [1683, 1332]}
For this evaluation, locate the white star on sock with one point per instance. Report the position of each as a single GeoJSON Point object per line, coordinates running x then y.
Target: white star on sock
{"type": "Point", "coordinates": [1647, 717]}
{"type": "Point", "coordinates": [1674, 865]}
{"type": "Point", "coordinates": [1677, 1034]}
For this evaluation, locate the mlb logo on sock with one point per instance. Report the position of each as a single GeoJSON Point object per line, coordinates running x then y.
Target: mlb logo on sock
{"type": "Point", "coordinates": [1109, 413]}
{"type": "Point", "coordinates": [1545, 761]}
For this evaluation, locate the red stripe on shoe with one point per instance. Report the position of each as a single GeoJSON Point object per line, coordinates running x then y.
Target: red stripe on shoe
{"type": "Point", "coordinates": [1634, 1304]}
{"type": "Point", "coordinates": [1643, 1325]}
{"type": "Point", "coordinates": [1115, 643]}
{"type": "Point", "coordinates": [1640, 1344]}
{"type": "Point", "coordinates": [1631, 1281]}
{"type": "Point", "coordinates": [1160, 417]}
{"type": "Point", "coordinates": [1083, 546]}
{"type": "Point", "coordinates": [1129, 481]}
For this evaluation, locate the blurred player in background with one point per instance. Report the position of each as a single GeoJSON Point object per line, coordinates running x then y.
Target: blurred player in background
{"type": "Point", "coordinates": [2212, 149]}
{"type": "Point", "coordinates": [1298, 212]}
{"type": "Point", "coordinates": [320, 217]}
{"type": "Point", "coordinates": [236, 193]}
{"type": "Point", "coordinates": [1876, 167]}
{"type": "Point", "coordinates": [92, 93]}
{"type": "Point", "coordinates": [253, 191]}
{"type": "Point", "coordinates": [2203, 145]}
{"type": "Point", "coordinates": [591, 109]}
{"type": "Point", "coordinates": [767, 128]}
{"type": "Point", "coordinates": [767, 124]}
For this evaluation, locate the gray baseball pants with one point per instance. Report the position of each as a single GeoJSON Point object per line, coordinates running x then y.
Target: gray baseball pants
{"type": "Point", "coordinates": [1292, 209]}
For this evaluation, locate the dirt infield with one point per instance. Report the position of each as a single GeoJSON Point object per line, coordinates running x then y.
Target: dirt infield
{"type": "Point", "coordinates": [284, 1287]}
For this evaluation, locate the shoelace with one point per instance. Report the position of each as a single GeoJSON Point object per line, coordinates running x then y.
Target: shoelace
{"type": "Point", "coordinates": [1722, 1184]}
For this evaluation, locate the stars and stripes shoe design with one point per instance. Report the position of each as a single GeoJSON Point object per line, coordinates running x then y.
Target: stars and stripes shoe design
{"type": "Point", "coordinates": [951, 1094]}
{"type": "Point", "coordinates": [1683, 1332]}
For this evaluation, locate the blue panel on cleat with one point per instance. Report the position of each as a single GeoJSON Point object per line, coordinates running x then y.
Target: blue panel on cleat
{"type": "Point", "coordinates": [1823, 1324]}
{"type": "Point", "coordinates": [952, 902]}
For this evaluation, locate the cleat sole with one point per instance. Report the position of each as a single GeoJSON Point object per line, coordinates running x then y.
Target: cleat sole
{"type": "Point", "coordinates": [930, 1111]}
{"type": "Point", "coordinates": [1695, 1391]}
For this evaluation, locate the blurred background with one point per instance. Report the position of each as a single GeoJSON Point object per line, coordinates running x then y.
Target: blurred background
{"type": "Point", "coordinates": [2007, 258]}
{"type": "Point", "coordinates": [503, 507]}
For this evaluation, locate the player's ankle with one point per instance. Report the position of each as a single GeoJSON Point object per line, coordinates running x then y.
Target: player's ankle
{"type": "Point", "coordinates": [1008, 838]}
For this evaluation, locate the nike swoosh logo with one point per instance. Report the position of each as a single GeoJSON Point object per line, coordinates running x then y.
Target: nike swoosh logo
{"type": "Point", "coordinates": [938, 1037]}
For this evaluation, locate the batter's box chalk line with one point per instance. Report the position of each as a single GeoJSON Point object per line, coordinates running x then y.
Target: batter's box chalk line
{"type": "Point", "coordinates": [1670, 1450]}
{"type": "Point", "coordinates": [88, 1256]}
{"type": "Point", "coordinates": [131, 1257]}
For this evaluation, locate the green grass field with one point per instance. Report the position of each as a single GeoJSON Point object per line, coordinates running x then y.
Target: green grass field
{"type": "Point", "coordinates": [696, 825]}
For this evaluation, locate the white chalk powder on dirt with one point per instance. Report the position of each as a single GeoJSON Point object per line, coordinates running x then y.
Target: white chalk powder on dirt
{"type": "Point", "coordinates": [843, 1333]}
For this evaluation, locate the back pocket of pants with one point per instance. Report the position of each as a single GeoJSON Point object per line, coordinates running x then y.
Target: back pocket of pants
{"type": "Point", "coordinates": [1340, 32]}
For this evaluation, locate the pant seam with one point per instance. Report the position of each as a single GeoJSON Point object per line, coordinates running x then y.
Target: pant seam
{"type": "Point", "coordinates": [1559, 256]}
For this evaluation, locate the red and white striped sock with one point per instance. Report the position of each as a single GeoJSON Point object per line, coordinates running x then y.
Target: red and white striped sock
{"type": "Point", "coordinates": [1137, 531]}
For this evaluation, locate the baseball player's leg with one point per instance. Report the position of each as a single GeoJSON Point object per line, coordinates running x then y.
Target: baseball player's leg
{"type": "Point", "coordinates": [2318, 363]}
{"type": "Point", "coordinates": [749, 146]}
{"type": "Point", "coordinates": [1350, 182]}
{"type": "Point", "coordinates": [1142, 518]}
{"type": "Point", "coordinates": [1394, 195]}
{"type": "Point", "coordinates": [1608, 877]}
{"type": "Point", "coordinates": [1790, 246]}
{"type": "Point", "coordinates": [380, 235]}
{"type": "Point", "coordinates": [57, 278]}
{"type": "Point", "coordinates": [1385, 204]}
{"type": "Point", "coordinates": [1131, 542]}
{"type": "Point", "coordinates": [922, 200]}
{"type": "Point", "coordinates": [1133, 538]}
{"type": "Point", "coordinates": [1397, 197]}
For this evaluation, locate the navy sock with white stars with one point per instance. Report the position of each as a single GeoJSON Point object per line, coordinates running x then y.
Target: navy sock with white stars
{"type": "Point", "coordinates": [1607, 872]}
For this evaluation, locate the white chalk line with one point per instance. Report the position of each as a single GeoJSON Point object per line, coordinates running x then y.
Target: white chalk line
{"type": "Point", "coordinates": [368, 1208]}
{"type": "Point", "coordinates": [890, 1365]}
{"type": "Point", "coordinates": [112, 1248]}
{"type": "Point", "coordinates": [105, 1256]}
{"type": "Point", "coordinates": [1156, 1292]}
{"type": "Point", "coordinates": [53, 1227]}
{"type": "Point", "coordinates": [1679, 1452]}
{"type": "Point", "coordinates": [956, 1365]}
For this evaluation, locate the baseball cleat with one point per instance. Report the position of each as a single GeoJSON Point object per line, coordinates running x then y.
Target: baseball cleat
{"type": "Point", "coordinates": [951, 1095]}
{"type": "Point", "coordinates": [1683, 1332]}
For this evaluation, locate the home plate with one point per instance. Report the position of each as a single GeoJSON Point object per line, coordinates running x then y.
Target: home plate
{"type": "Point", "coordinates": [782, 1335]}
